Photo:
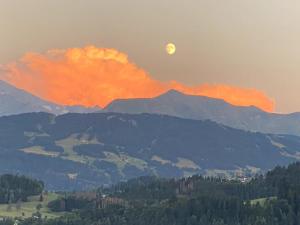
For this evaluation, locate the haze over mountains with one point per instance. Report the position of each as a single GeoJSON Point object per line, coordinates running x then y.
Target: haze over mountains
{"type": "Point", "coordinates": [16, 101]}
{"type": "Point", "coordinates": [202, 108]}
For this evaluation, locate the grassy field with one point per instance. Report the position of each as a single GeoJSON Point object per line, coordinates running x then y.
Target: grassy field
{"type": "Point", "coordinates": [69, 143]}
{"type": "Point", "coordinates": [28, 208]}
{"type": "Point", "coordinates": [261, 201]}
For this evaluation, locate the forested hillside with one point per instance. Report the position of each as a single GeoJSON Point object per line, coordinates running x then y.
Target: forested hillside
{"type": "Point", "coordinates": [273, 199]}
{"type": "Point", "coordinates": [80, 151]}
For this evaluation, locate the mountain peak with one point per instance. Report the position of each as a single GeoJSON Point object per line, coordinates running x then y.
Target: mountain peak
{"type": "Point", "coordinates": [172, 92]}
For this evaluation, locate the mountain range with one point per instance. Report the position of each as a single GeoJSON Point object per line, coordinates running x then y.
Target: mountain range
{"type": "Point", "coordinates": [16, 101]}
{"type": "Point", "coordinates": [76, 151]}
{"type": "Point", "coordinates": [171, 135]}
{"type": "Point", "coordinates": [173, 103]}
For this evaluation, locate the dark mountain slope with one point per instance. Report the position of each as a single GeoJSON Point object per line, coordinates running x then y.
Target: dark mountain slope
{"type": "Point", "coordinates": [99, 148]}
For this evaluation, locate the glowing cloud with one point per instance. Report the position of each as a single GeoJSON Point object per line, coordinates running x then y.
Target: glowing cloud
{"type": "Point", "coordinates": [95, 76]}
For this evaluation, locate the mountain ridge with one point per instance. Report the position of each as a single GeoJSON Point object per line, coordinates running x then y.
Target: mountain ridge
{"type": "Point", "coordinates": [175, 103]}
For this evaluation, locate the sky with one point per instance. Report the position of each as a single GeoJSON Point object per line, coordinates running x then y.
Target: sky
{"type": "Point", "coordinates": [249, 44]}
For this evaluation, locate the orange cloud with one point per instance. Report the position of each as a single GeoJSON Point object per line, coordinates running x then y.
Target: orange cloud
{"type": "Point", "coordinates": [233, 95]}
{"type": "Point", "coordinates": [95, 76]}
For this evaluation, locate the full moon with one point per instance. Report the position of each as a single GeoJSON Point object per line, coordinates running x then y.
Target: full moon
{"type": "Point", "coordinates": [170, 48]}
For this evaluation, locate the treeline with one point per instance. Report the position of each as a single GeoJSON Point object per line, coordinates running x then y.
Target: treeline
{"type": "Point", "coordinates": [70, 203]}
{"type": "Point", "coordinates": [153, 188]}
{"type": "Point", "coordinates": [273, 199]}
{"type": "Point", "coordinates": [15, 188]}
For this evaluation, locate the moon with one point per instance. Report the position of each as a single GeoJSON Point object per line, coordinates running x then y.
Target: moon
{"type": "Point", "coordinates": [170, 48]}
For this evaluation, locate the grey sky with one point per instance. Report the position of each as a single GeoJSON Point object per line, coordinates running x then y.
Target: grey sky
{"type": "Point", "coordinates": [248, 43]}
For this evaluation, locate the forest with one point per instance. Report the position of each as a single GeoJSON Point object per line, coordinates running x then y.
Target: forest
{"type": "Point", "coordinates": [270, 199]}
{"type": "Point", "coordinates": [15, 188]}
